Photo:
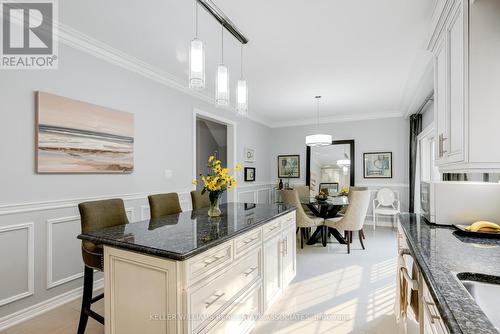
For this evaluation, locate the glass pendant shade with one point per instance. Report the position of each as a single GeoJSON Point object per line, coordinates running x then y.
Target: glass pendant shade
{"type": "Point", "coordinates": [222, 86]}
{"type": "Point", "coordinates": [318, 140]}
{"type": "Point", "coordinates": [242, 97]}
{"type": "Point", "coordinates": [196, 65]}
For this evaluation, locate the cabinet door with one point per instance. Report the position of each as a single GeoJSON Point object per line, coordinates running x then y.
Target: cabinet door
{"type": "Point", "coordinates": [272, 269]}
{"type": "Point", "coordinates": [440, 97]}
{"type": "Point", "coordinates": [455, 140]}
{"type": "Point", "coordinates": [289, 251]}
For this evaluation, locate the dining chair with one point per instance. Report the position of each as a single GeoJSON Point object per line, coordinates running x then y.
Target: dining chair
{"type": "Point", "coordinates": [354, 217]}
{"type": "Point", "coordinates": [386, 203]}
{"type": "Point", "coordinates": [302, 220]}
{"type": "Point", "coordinates": [304, 196]}
{"type": "Point", "coordinates": [351, 190]}
{"type": "Point", "coordinates": [164, 204]}
{"type": "Point", "coordinates": [198, 200]}
{"type": "Point", "coordinates": [96, 215]}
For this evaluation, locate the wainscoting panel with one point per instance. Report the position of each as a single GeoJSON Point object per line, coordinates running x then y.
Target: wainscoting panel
{"type": "Point", "coordinates": [16, 262]}
{"type": "Point", "coordinates": [64, 255]}
{"type": "Point", "coordinates": [264, 196]}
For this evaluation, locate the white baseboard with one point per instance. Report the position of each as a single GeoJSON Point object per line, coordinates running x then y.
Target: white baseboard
{"type": "Point", "coordinates": [45, 306]}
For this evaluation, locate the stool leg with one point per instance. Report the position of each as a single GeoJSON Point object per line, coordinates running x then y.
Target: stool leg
{"type": "Point", "coordinates": [88, 285]}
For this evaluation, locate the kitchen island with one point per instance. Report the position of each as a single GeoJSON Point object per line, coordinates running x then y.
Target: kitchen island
{"type": "Point", "coordinates": [448, 261]}
{"type": "Point", "coordinates": [188, 273]}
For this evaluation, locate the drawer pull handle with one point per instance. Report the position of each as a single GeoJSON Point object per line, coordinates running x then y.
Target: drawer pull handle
{"type": "Point", "coordinates": [274, 227]}
{"type": "Point", "coordinates": [212, 260]}
{"type": "Point", "coordinates": [249, 271]}
{"type": "Point", "coordinates": [247, 241]}
{"type": "Point", "coordinates": [433, 316]}
{"type": "Point", "coordinates": [217, 297]}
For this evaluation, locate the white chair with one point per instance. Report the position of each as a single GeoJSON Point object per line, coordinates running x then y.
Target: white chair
{"type": "Point", "coordinates": [303, 221]}
{"type": "Point", "coordinates": [354, 217]}
{"type": "Point", "coordinates": [386, 204]}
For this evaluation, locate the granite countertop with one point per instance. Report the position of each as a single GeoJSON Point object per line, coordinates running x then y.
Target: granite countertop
{"type": "Point", "coordinates": [184, 235]}
{"type": "Point", "coordinates": [441, 253]}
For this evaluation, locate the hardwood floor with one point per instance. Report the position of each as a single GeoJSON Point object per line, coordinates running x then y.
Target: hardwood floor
{"type": "Point", "coordinates": [354, 293]}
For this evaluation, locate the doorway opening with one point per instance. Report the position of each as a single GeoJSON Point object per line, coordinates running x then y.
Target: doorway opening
{"type": "Point", "coordinates": [213, 134]}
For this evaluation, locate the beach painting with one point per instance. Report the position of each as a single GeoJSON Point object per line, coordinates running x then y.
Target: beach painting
{"type": "Point", "coordinates": [79, 137]}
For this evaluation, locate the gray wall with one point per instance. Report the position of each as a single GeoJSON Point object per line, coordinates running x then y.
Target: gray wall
{"type": "Point", "coordinates": [39, 219]}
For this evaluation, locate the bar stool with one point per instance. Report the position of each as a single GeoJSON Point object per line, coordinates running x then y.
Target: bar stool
{"type": "Point", "coordinates": [198, 200]}
{"type": "Point", "coordinates": [164, 205]}
{"type": "Point", "coordinates": [93, 216]}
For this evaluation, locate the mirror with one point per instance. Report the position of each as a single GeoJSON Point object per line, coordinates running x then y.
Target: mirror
{"type": "Point", "coordinates": [329, 168]}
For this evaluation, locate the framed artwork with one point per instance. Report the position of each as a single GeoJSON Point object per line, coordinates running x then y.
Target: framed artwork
{"type": "Point", "coordinates": [249, 174]}
{"type": "Point", "coordinates": [249, 154]}
{"type": "Point", "coordinates": [289, 166]}
{"type": "Point", "coordinates": [377, 165]}
{"type": "Point", "coordinates": [79, 137]}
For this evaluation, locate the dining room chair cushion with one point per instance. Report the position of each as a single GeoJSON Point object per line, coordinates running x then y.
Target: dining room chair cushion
{"type": "Point", "coordinates": [164, 204]}
{"type": "Point", "coordinates": [291, 197]}
{"type": "Point", "coordinates": [97, 215]}
{"type": "Point", "coordinates": [198, 200]}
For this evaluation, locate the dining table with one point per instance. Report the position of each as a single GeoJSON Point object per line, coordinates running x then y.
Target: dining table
{"type": "Point", "coordinates": [328, 208]}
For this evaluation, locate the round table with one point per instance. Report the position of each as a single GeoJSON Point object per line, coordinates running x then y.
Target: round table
{"type": "Point", "coordinates": [326, 209]}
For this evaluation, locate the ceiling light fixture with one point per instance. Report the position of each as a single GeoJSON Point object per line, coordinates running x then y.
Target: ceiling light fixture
{"type": "Point", "coordinates": [344, 163]}
{"type": "Point", "coordinates": [242, 91]}
{"type": "Point", "coordinates": [222, 79]}
{"type": "Point", "coordinates": [318, 139]}
{"type": "Point", "coordinates": [196, 59]}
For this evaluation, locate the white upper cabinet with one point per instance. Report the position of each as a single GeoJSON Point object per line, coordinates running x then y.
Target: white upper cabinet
{"type": "Point", "coordinates": [466, 48]}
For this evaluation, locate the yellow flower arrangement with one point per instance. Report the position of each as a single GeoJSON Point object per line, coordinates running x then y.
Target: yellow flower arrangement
{"type": "Point", "coordinates": [217, 180]}
{"type": "Point", "coordinates": [344, 191]}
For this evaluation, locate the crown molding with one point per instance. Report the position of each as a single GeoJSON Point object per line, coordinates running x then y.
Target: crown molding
{"type": "Point", "coordinates": [80, 41]}
{"type": "Point", "coordinates": [336, 119]}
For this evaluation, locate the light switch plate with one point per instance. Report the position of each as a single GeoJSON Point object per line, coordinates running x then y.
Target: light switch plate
{"type": "Point", "coordinates": [168, 174]}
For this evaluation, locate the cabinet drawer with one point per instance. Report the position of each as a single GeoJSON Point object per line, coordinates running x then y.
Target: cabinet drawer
{"type": "Point", "coordinates": [247, 242]}
{"type": "Point", "coordinates": [242, 316]}
{"type": "Point", "coordinates": [208, 299]}
{"type": "Point", "coordinates": [271, 228]}
{"type": "Point", "coordinates": [432, 319]}
{"type": "Point", "coordinates": [204, 264]}
{"type": "Point", "coordinates": [287, 219]}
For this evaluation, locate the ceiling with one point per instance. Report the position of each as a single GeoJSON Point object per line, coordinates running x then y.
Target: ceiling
{"type": "Point", "coordinates": [362, 56]}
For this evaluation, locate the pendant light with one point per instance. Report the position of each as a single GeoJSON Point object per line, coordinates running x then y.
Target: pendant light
{"type": "Point", "coordinates": [196, 59]}
{"type": "Point", "coordinates": [222, 79]}
{"type": "Point", "coordinates": [318, 139]}
{"type": "Point", "coordinates": [344, 163]}
{"type": "Point", "coordinates": [242, 91]}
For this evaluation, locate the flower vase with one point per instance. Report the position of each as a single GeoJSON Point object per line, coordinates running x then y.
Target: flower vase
{"type": "Point", "coordinates": [214, 210]}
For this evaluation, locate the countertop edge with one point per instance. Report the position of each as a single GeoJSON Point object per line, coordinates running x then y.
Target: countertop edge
{"type": "Point", "coordinates": [448, 317]}
{"type": "Point", "coordinates": [177, 256]}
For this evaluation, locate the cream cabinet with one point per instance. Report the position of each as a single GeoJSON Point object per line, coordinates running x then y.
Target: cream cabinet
{"type": "Point", "coordinates": [222, 290]}
{"type": "Point", "coordinates": [279, 259]}
{"type": "Point", "coordinates": [465, 46]}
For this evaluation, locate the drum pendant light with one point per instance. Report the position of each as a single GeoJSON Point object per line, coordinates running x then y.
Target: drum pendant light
{"type": "Point", "coordinates": [318, 139]}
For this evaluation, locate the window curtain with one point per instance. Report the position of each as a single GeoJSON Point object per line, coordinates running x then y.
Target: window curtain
{"type": "Point", "coordinates": [415, 129]}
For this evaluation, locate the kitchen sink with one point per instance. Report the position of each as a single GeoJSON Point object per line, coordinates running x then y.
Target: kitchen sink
{"type": "Point", "coordinates": [485, 290]}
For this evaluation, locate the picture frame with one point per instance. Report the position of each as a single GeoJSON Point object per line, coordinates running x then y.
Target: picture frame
{"type": "Point", "coordinates": [249, 154]}
{"type": "Point", "coordinates": [377, 165]}
{"type": "Point", "coordinates": [289, 166]}
{"type": "Point", "coordinates": [249, 174]}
